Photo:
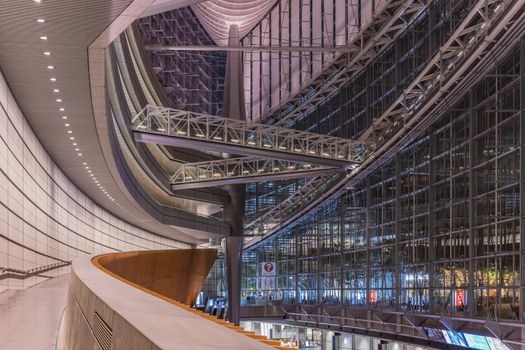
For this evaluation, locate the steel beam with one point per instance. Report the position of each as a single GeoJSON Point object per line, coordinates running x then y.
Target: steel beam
{"type": "Point", "coordinates": [207, 48]}
{"type": "Point", "coordinates": [205, 132]}
{"type": "Point", "coordinates": [242, 170]}
{"type": "Point", "coordinates": [278, 214]}
{"type": "Point", "coordinates": [384, 322]}
{"type": "Point", "coordinates": [432, 80]}
{"type": "Point", "coordinates": [522, 181]}
{"type": "Point", "coordinates": [388, 24]}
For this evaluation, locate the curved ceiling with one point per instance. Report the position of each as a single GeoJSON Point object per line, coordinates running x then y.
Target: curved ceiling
{"type": "Point", "coordinates": [53, 57]}
{"type": "Point", "coordinates": [217, 16]}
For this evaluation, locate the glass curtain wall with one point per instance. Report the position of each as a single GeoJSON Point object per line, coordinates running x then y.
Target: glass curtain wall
{"type": "Point", "coordinates": [350, 111]}
{"type": "Point", "coordinates": [215, 284]}
{"type": "Point", "coordinates": [192, 80]}
{"type": "Point", "coordinates": [435, 229]}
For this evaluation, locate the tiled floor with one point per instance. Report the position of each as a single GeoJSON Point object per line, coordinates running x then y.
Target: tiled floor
{"type": "Point", "coordinates": [29, 319]}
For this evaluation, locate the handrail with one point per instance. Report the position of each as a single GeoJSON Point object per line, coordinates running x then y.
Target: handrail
{"type": "Point", "coordinates": [35, 269]}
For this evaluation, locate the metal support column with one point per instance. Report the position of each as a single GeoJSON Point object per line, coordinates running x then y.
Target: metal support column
{"type": "Point", "coordinates": [233, 260]}
{"type": "Point", "coordinates": [522, 182]}
{"type": "Point", "coordinates": [367, 239]}
{"type": "Point", "coordinates": [296, 262]}
{"type": "Point", "coordinates": [397, 247]}
{"type": "Point", "coordinates": [472, 302]}
{"type": "Point", "coordinates": [318, 258]}
{"type": "Point", "coordinates": [233, 212]}
{"type": "Point", "coordinates": [432, 285]}
{"type": "Point", "coordinates": [342, 208]}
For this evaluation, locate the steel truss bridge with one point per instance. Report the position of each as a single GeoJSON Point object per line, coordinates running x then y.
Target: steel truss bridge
{"type": "Point", "coordinates": [243, 170]}
{"type": "Point", "coordinates": [271, 153]}
{"type": "Point", "coordinates": [185, 129]}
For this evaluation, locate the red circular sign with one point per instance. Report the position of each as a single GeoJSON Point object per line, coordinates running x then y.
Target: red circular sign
{"type": "Point", "coordinates": [268, 267]}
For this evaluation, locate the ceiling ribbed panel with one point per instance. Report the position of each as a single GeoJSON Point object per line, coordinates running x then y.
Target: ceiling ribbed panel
{"type": "Point", "coordinates": [217, 16]}
{"type": "Point", "coordinates": [37, 57]}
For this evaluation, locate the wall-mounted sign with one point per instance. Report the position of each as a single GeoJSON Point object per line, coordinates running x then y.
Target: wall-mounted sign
{"type": "Point", "coordinates": [373, 296]}
{"type": "Point", "coordinates": [460, 298]}
{"type": "Point", "coordinates": [268, 269]}
{"type": "Point", "coordinates": [267, 283]}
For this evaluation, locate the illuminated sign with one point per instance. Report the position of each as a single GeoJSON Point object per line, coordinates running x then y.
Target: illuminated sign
{"type": "Point", "coordinates": [373, 296]}
{"type": "Point", "coordinates": [460, 298]}
{"type": "Point", "coordinates": [476, 341]}
{"type": "Point", "coordinates": [472, 341]}
{"type": "Point", "coordinates": [496, 344]}
{"type": "Point", "coordinates": [455, 338]}
{"type": "Point", "coordinates": [268, 269]}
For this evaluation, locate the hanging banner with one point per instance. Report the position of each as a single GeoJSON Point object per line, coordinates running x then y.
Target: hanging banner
{"type": "Point", "coordinates": [460, 298]}
{"type": "Point", "coordinates": [268, 269]}
{"type": "Point", "coordinates": [373, 296]}
{"type": "Point", "coordinates": [267, 283]}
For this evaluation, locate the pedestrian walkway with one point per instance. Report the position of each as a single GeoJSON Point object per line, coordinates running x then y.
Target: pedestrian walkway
{"type": "Point", "coordinates": [29, 318]}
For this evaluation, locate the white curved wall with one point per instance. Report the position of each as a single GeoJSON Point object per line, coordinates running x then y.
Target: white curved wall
{"type": "Point", "coordinates": [44, 217]}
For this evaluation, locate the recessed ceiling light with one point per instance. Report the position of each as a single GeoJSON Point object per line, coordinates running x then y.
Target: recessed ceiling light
{"type": "Point", "coordinates": [53, 79]}
{"type": "Point", "coordinates": [56, 91]}
{"type": "Point", "coordinates": [91, 175]}
{"type": "Point", "coordinates": [51, 67]}
{"type": "Point", "coordinates": [71, 138]}
{"type": "Point", "coordinates": [37, 1]}
{"type": "Point", "coordinates": [84, 163]}
{"type": "Point", "coordinates": [96, 181]}
{"type": "Point", "coordinates": [47, 53]}
{"type": "Point", "coordinates": [43, 38]}
{"type": "Point", "coordinates": [66, 124]}
{"type": "Point", "coordinates": [89, 171]}
{"type": "Point", "coordinates": [59, 100]}
{"type": "Point", "coordinates": [64, 117]}
{"type": "Point", "coordinates": [86, 167]}
{"type": "Point", "coordinates": [69, 132]}
{"type": "Point", "coordinates": [77, 149]}
{"type": "Point", "coordinates": [40, 20]}
{"type": "Point", "coordinates": [80, 154]}
{"type": "Point", "coordinates": [61, 109]}
{"type": "Point", "coordinates": [74, 143]}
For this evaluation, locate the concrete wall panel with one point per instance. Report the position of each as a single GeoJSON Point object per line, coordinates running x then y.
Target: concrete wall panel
{"type": "Point", "coordinates": [44, 217]}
